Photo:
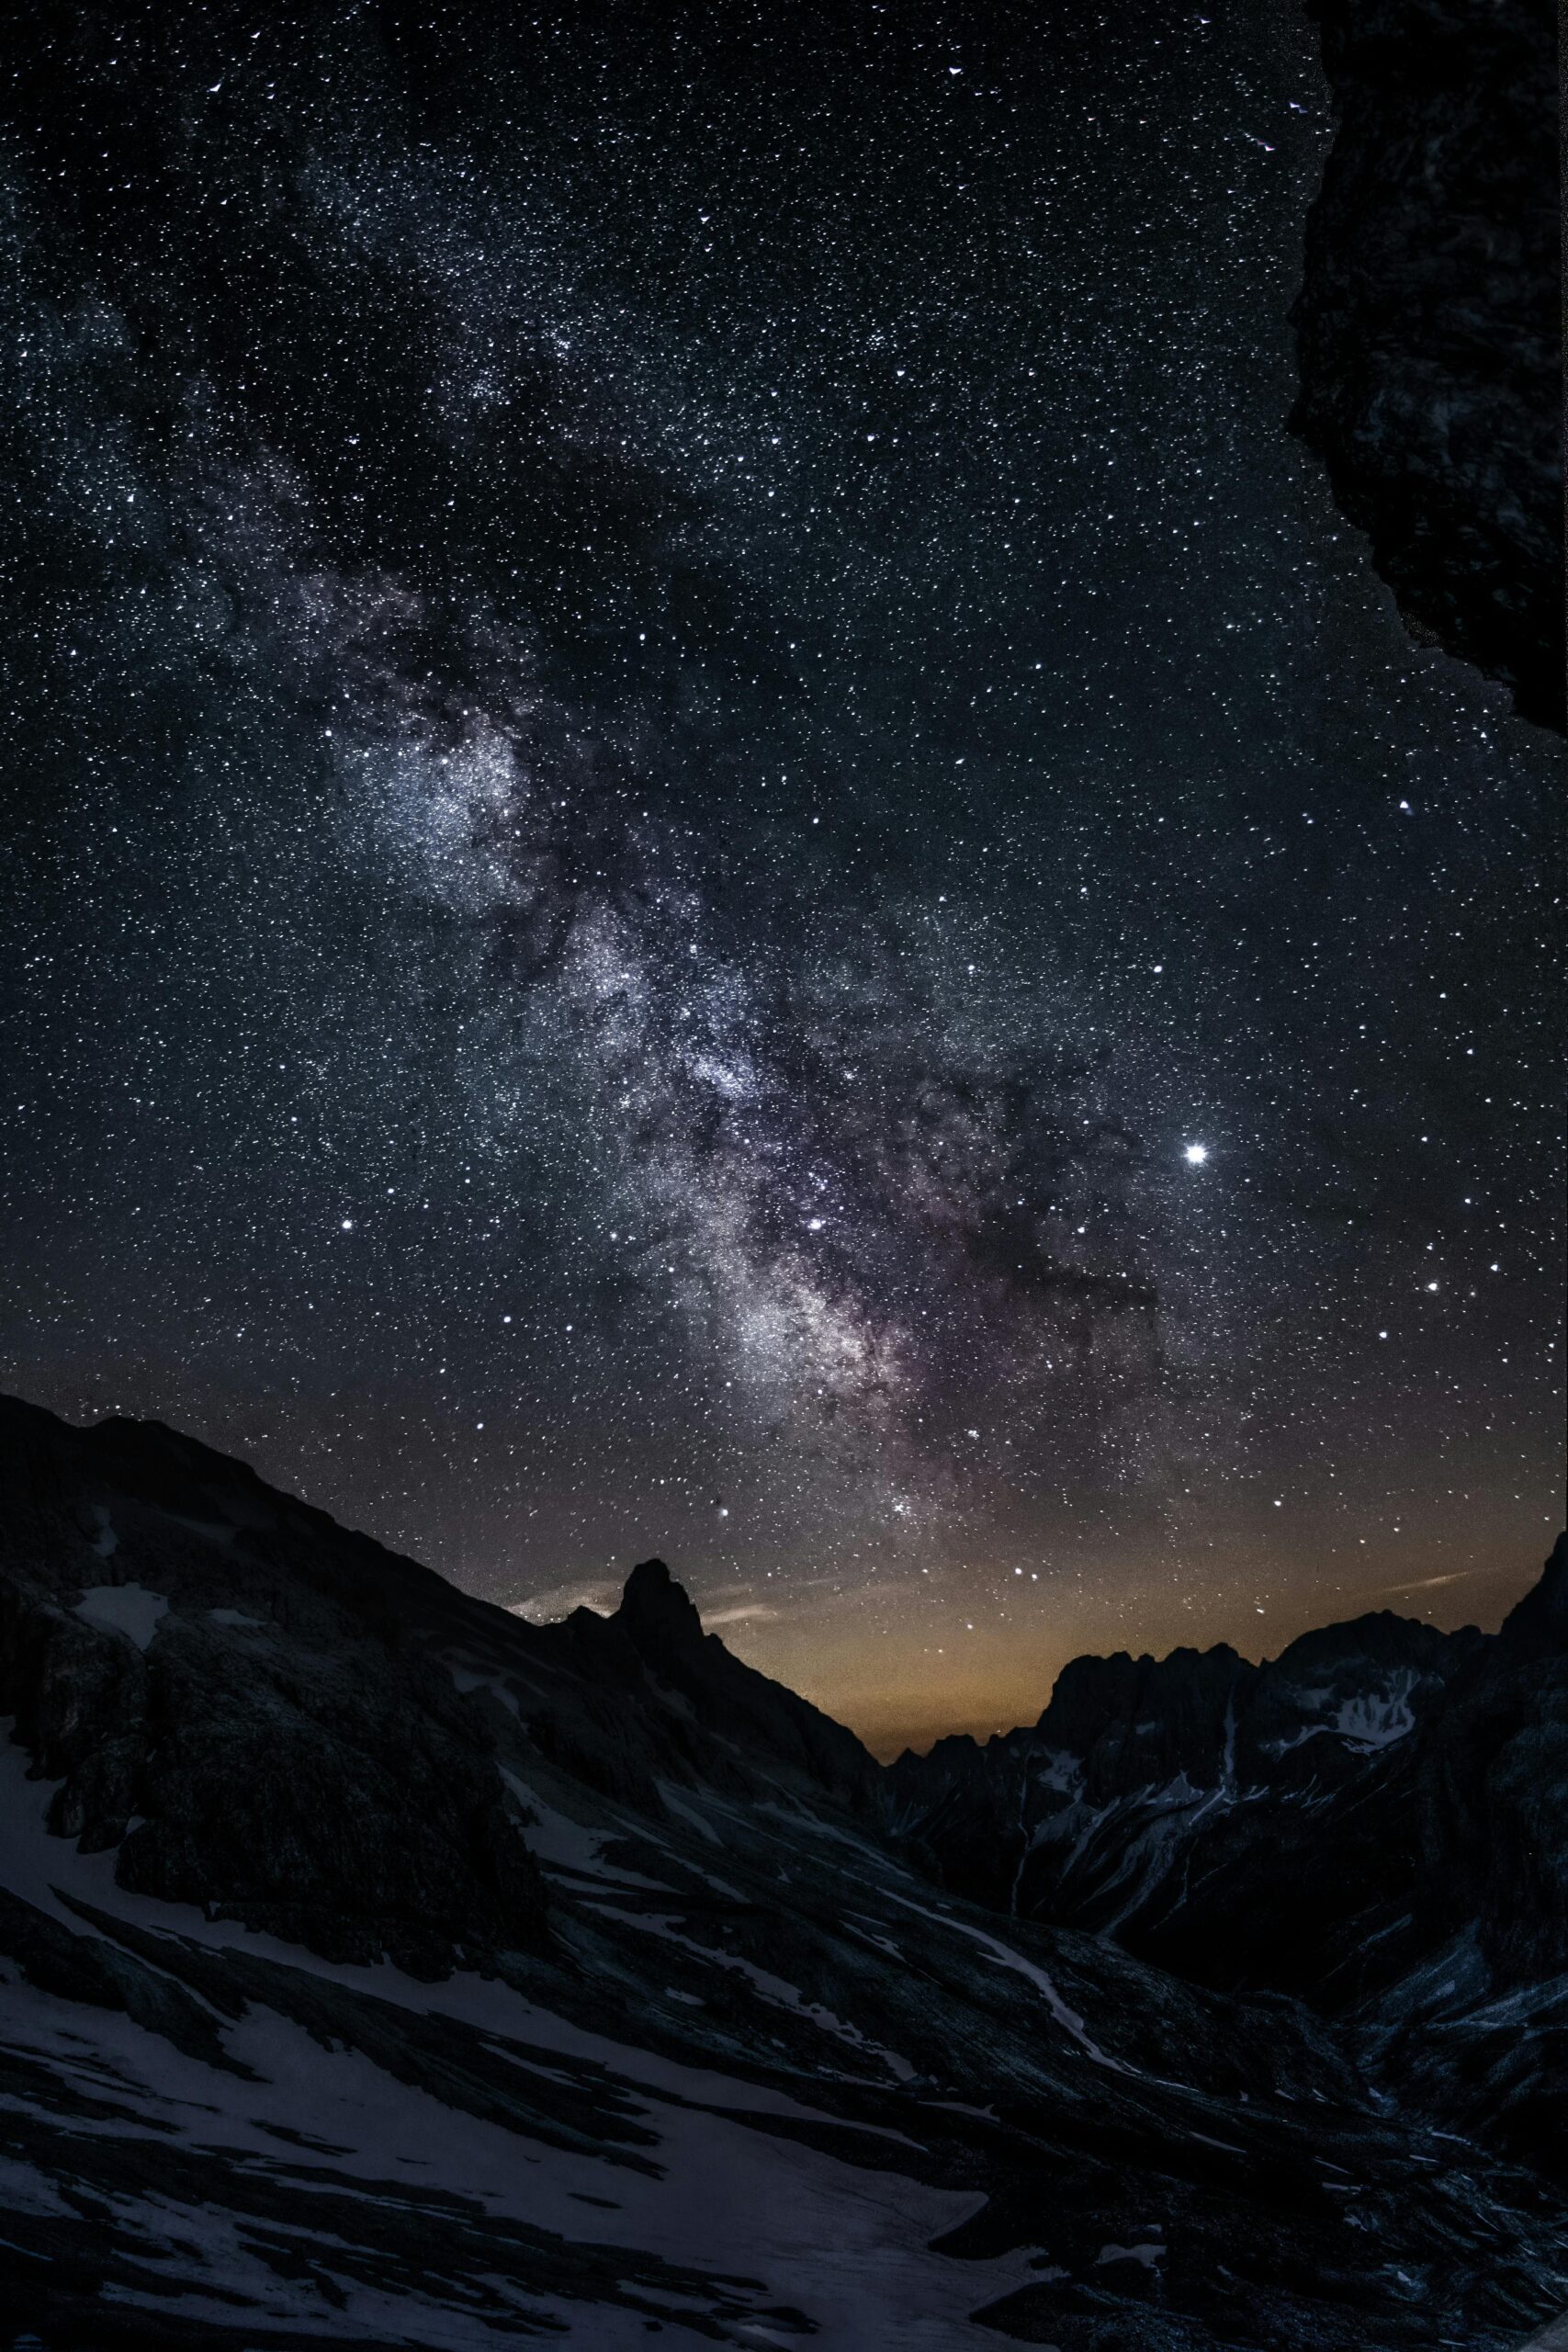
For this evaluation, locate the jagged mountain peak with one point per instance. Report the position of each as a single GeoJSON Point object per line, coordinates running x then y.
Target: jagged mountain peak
{"type": "Point", "coordinates": [735, 1701]}
{"type": "Point", "coordinates": [655, 1606]}
{"type": "Point", "coordinates": [1184, 1658]}
{"type": "Point", "coordinates": [1379, 1636]}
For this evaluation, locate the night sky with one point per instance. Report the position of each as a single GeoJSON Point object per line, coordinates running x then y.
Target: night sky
{"type": "Point", "coordinates": [712, 847]}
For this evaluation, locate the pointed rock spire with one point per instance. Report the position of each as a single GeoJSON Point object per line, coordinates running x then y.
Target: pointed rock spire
{"type": "Point", "coordinates": [657, 1611]}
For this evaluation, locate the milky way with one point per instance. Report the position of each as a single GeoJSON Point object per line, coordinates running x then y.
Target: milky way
{"type": "Point", "coordinates": [715, 848]}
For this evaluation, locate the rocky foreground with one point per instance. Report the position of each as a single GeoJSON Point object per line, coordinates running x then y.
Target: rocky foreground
{"type": "Point", "coordinates": [381, 1970]}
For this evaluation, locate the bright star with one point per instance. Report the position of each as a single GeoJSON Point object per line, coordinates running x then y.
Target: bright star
{"type": "Point", "coordinates": [1195, 1154]}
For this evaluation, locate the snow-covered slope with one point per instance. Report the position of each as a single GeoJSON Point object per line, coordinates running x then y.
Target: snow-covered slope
{"type": "Point", "coordinates": [378, 1969]}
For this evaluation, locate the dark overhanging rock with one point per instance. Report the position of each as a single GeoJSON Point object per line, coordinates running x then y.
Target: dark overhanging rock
{"type": "Point", "coordinates": [1428, 324]}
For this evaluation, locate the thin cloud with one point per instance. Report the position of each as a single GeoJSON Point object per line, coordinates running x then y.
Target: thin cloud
{"type": "Point", "coordinates": [545, 1608]}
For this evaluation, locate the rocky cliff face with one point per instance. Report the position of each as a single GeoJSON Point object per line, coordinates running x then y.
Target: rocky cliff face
{"type": "Point", "coordinates": [1372, 1822]}
{"type": "Point", "coordinates": [1428, 327]}
{"type": "Point", "coordinates": [1495, 1790]}
{"type": "Point", "coordinates": [378, 1969]}
{"type": "Point", "coordinates": [223, 1687]}
{"type": "Point", "coordinates": [1095, 1813]}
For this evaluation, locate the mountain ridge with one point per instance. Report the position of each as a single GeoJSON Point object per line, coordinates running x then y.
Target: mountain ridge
{"type": "Point", "coordinates": [378, 1969]}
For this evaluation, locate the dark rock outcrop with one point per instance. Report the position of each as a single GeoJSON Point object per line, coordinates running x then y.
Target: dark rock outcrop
{"type": "Point", "coordinates": [734, 1701]}
{"type": "Point", "coordinates": [1428, 325]}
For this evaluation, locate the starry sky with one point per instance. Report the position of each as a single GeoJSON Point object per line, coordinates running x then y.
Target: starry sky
{"type": "Point", "coordinates": [712, 847]}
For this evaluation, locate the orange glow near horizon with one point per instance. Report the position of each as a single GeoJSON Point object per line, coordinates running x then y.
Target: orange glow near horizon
{"type": "Point", "coordinates": [904, 1683]}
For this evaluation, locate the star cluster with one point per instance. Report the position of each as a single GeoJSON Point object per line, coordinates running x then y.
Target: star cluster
{"type": "Point", "coordinates": [715, 847]}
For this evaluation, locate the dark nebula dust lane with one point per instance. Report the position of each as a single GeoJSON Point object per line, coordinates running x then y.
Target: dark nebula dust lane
{"type": "Point", "coordinates": [714, 846]}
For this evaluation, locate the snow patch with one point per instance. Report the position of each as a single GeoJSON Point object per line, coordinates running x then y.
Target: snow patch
{"type": "Point", "coordinates": [127, 1609]}
{"type": "Point", "coordinates": [1062, 1772]}
{"type": "Point", "coordinates": [561, 1843]}
{"type": "Point", "coordinates": [1378, 1718]}
{"type": "Point", "coordinates": [1368, 1721]}
{"type": "Point", "coordinates": [689, 1815]}
{"type": "Point", "coordinates": [468, 1678]}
